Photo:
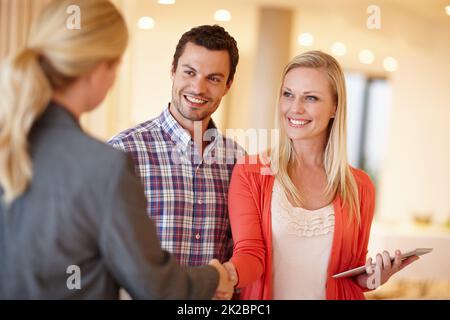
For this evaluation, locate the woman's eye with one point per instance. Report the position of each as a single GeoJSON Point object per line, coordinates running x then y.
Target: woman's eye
{"type": "Point", "coordinates": [311, 98]}
{"type": "Point", "coordinates": [189, 73]}
{"type": "Point", "coordinates": [287, 94]}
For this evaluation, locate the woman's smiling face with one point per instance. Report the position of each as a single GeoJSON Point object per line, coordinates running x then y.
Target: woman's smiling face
{"type": "Point", "coordinates": [306, 104]}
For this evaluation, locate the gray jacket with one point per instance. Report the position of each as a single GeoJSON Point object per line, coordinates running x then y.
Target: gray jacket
{"type": "Point", "coordinates": [84, 215]}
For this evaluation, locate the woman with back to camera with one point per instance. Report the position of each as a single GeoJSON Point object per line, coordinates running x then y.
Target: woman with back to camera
{"type": "Point", "coordinates": [68, 202]}
{"type": "Point", "coordinates": [301, 214]}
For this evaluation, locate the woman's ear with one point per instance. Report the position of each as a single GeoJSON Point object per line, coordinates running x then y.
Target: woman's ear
{"type": "Point", "coordinates": [96, 75]}
{"type": "Point", "coordinates": [333, 115]}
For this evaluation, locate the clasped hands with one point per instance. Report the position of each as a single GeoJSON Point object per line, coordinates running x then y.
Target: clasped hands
{"type": "Point", "coordinates": [227, 279]}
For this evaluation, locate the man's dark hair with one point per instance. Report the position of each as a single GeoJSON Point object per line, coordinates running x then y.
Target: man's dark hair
{"type": "Point", "coordinates": [213, 38]}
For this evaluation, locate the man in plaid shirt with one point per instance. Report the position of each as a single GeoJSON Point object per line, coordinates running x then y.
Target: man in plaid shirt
{"type": "Point", "coordinates": [184, 163]}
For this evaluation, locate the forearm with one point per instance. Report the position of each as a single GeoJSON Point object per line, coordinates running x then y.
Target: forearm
{"type": "Point", "coordinates": [248, 268]}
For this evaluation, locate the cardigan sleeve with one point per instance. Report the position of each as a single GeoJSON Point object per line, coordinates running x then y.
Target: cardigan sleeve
{"type": "Point", "coordinates": [367, 208]}
{"type": "Point", "coordinates": [245, 219]}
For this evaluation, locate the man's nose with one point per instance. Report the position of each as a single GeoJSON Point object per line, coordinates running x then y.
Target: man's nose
{"type": "Point", "coordinates": [198, 85]}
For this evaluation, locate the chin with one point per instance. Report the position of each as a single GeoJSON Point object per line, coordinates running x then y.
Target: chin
{"type": "Point", "coordinates": [296, 135]}
{"type": "Point", "coordinates": [297, 138]}
{"type": "Point", "coordinates": [194, 115]}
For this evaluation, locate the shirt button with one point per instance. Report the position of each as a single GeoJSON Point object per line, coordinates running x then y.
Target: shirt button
{"type": "Point", "coordinates": [199, 201]}
{"type": "Point", "coordinates": [197, 236]}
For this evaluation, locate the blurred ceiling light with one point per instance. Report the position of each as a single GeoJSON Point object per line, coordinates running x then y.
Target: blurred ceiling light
{"type": "Point", "coordinates": [366, 56]}
{"type": "Point", "coordinates": [222, 15]}
{"type": "Point", "coordinates": [166, 1]}
{"type": "Point", "coordinates": [390, 64]}
{"type": "Point", "coordinates": [447, 9]}
{"type": "Point", "coordinates": [306, 39]}
{"type": "Point", "coordinates": [146, 23]}
{"type": "Point", "coordinates": [339, 49]}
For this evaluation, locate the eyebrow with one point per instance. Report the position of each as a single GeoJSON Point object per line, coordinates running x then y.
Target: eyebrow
{"type": "Point", "coordinates": [306, 92]}
{"type": "Point", "coordinates": [218, 74]}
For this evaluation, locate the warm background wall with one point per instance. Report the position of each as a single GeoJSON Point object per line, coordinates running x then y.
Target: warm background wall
{"type": "Point", "coordinates": [15, 20]}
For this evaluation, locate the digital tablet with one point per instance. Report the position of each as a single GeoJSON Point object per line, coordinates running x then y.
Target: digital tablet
{"type": "Point", "coordinates": [362, 269]}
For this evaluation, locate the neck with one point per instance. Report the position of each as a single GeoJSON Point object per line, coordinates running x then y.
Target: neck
{"type": "Point", "coordinates": [71, 99]}
{"type": "Point", "coordinates": [310, 152]}
{"type": "Point", "coordinates": [196, 129]}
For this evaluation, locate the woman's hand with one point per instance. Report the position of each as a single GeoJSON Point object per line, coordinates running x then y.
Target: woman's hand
{"type": "Point", "coordinates": [378, 274]}
{"type": "Point", "coordinates": [225, 287]}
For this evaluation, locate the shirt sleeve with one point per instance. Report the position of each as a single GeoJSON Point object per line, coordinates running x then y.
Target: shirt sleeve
{"type": "Point", "coordinates": [249, 249]}
{"type": "Point", "coordinates": [117, 143]}
{"type": "Point", "coordinates": [132, 251]}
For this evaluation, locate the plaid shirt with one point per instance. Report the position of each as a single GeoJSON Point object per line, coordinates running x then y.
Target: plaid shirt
{"type": "Point", "coordinates": [187, 195]}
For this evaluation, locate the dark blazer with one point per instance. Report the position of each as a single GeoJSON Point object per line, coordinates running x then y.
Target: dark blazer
{"type": "Point", "coordinates": [85, 208]}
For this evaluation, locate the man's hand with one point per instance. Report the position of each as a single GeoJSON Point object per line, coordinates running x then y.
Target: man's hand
{"type": "Point", "coordinates": [225, 288]}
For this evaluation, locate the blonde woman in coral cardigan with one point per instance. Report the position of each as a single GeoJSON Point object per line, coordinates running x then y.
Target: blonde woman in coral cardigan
{"type": "Point", "coordinates": [301, 214]}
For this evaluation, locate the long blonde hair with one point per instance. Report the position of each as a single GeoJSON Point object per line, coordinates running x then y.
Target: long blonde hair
{"type": "Point", "coordinates": [339, 176]}
{"type": "Point", "coordinates": [55, 55]}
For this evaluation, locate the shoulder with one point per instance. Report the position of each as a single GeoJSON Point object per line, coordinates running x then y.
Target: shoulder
{"type": "Point", "coordinates": [80, 161]}
{"type": "Point", "coordinates": [99, 157]}
{"type": "Point", "coordinates": [366, 191]}
{"type": "Point", "coordinates": [253, 167]}
{"type": "Point", "coordinates": [362, 179]}
{"type": "Point", "coordinates": [252, 163]}
{"type": "Point", "coordinates": [135, 134]}
{"type": "Point", "coordinates": [232, 144]}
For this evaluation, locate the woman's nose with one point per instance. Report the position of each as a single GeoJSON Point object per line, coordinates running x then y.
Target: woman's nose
{"type": "Point", "coordinates": [298, 107]}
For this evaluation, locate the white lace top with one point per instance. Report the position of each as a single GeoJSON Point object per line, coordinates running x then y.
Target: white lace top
{"type": "Point", "coordinates": [302, 241]}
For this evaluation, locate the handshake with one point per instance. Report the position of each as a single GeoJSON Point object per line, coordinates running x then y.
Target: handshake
{"type": "Point", "coordinates": [228, 279]}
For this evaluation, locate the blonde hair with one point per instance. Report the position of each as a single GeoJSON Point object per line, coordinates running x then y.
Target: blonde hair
{"type": "Point", "coordinates": [55, 56]}
{"type": "Point", "coordinates": [339, 176]}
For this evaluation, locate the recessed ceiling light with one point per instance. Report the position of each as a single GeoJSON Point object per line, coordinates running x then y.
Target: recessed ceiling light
{"type": "Point", "coordinates": [306, 39]}
{"type": "Point", "coordinates": [447, 9]}
{"type": "Point", "coordinates": [146, 23]}
{"type": "Point", "coordinates": [366, 56]}
{"type": "Point", "coordinates": [339, 49]}
{"type": "Point", "coordinates": [222, 15]}
{"type": "Point", "coordinates": [390, 64]}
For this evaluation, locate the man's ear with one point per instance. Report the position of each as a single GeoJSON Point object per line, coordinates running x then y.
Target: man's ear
{"type": "Point", "coordinates": [172, 72]}
{"type": "Point", "coordinates": [228, 86]}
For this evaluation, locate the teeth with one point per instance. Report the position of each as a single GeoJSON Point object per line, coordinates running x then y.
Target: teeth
{"type": "Point", "coordinates": [298, 122]}
{"type": "Point", "coordinates": [196, 100]}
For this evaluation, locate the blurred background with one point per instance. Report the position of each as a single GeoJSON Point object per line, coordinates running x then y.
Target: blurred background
{"type": "Point", "coordinates": [396, 56]}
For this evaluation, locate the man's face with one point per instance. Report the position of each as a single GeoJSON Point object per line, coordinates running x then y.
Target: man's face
{"type": "Point", "coordinates": [200, 81]}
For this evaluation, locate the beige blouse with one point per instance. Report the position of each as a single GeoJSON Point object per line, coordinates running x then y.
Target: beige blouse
{"type": "Point", "coordinates": [302, 241]}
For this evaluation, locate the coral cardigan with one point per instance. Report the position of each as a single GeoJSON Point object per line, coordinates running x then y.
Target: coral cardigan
{"type": "Point", "coordinates": [249, 201]}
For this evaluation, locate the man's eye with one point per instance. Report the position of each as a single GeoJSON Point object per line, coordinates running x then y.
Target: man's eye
{"type": "Point", "coordinates": [214, 79]}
